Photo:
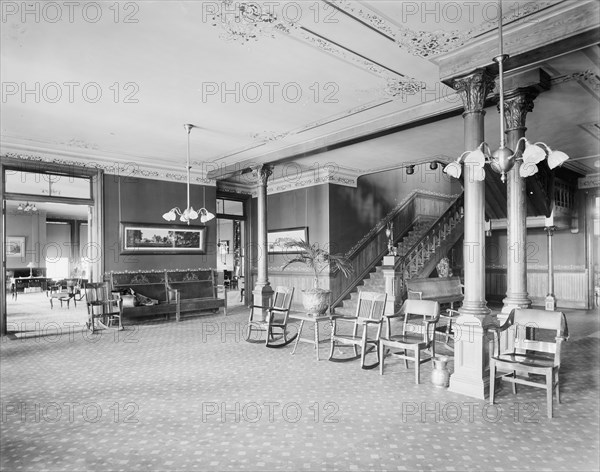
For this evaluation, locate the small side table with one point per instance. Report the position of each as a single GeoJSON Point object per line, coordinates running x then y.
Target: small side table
{"type": "Point", "coordinates": [311, 319]}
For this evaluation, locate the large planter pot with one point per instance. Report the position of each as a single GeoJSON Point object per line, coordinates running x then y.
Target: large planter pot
{"type": "Point", "coordinates": [316, 301]}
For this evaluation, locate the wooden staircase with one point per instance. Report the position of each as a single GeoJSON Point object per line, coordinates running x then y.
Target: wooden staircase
{"type": "Point", "coordinates": [420, 250]}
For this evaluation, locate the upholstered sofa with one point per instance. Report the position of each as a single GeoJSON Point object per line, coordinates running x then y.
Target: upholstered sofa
{"type": "Point", "coordinates": [173, 292]}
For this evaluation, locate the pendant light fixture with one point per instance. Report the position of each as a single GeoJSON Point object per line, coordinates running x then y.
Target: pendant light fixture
{"type": "Point", "coordinates": [189, 213]}
{"type": "Point", "coordinates": [503, 159]}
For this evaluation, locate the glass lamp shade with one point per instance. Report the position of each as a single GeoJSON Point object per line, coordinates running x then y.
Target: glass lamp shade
{"type": "Point", "coordinates": [171, 215]}
{"type": "Point", "coordinates": [533, 153]}
{"type": "Point", "coordinates": [454, 169]}
{"type": "Point", "coordinates": [556, 158]}
{"type": "Point", "coordinates": [205, 215]}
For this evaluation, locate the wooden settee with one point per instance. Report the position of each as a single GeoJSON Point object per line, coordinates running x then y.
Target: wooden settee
{"type": "Point", "coordinates": [444, 290]}
{"type": "Point", "coordinates": [177, 292]}
{"type": "Point", "coordinates": [440, 289]}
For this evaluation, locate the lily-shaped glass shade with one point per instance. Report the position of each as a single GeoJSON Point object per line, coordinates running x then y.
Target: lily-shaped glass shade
{"type": "Point", "coordinates": [556, 158]}
{"type": "Point", "coordinates": [205, 215]}
{"type": "Point", "coordinates": [454, 169]}
{"type": "Point", "coordinates": [171, 214]}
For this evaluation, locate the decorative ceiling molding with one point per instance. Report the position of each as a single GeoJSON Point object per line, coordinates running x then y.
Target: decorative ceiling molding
{"type": "Point", "coordinates": [423, 43]}
{"type": "Point", "coordinates": [125, 169]}
{"type": "Point", "coordinates": [245, 21]}
{"type": "Point", "coordinates": [293, 177]}
{"type": "Point", "coordinates": [587, 76]}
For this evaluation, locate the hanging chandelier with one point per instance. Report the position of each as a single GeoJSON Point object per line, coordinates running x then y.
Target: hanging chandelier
{"type": "Point", "coordinates": [503, 159]}
{"type": "Point", "coordinates": [28, 208]}
{"type": "Point", "coordinates": [189, 213]}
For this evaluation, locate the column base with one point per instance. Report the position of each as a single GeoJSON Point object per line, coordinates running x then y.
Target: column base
{"type": "Point", "coordinates": [262, 295]}
{"type": "Point", "coordinates": [471, 354]}
{"type": "Point", "coordinates": [550, 304]}
{"type": "Point", "coordinates": [515, 301]}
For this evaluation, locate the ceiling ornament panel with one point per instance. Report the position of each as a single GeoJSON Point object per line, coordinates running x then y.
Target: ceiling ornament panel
{"type": "Point", "coordinates": [246, 21]}
{"type": "Point", "coordinates": [423, 43]}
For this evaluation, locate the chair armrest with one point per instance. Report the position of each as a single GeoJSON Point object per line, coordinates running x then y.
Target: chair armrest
{"type": "Point", "coordinates": [450, 313]}
{"type": "Point", "coordinates": [344, 317]}
{"type": "Point", "coordinates": [416, 293]}
{"type": "Point", "coordinates": [282, 310]}
{"type": "Point", "coordinates": [395, 315]}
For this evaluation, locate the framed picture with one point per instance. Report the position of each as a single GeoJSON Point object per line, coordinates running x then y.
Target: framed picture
{"type": "Point", "coordinates": [277, 238]}
{"type": "Point", "coordinates": [137, 238]}
{"type": "Point", "coordinates": [15, 246]}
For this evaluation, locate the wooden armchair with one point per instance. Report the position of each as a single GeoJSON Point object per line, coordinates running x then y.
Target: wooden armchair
{"type": "Point", "coordinates": [277, 317]}
{"type": "Point", "coordinates": [105, 308]}
{"type": "Point", "coordinates": [414, 337]}
{"type": "Point", "coordinates": [530, 355]}
{"type": "Point", "coordinates": [369, 314]}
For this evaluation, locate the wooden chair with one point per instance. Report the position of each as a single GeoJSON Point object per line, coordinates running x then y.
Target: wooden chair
{"type": "Point", "coordinates": [369, 314]}
{"type": "Point", "coordinates": [415, 337]}
{"type": "Point", "coordinates": [104, 307]}
{"type": "Point", "coordinates": [277, 317]}
{"type": "Point", "coordinates": [530, 356]}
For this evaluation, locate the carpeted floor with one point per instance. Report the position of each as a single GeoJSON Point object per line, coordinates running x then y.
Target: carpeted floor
{"type": "Point", "coordinates": [194, 396]}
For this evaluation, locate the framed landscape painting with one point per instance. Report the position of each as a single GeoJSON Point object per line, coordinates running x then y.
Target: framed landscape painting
{"type": "Point", "coordinates": [139, 238]}
{"type": "Point", "coordinates": [277, 238]}
{"type": "Point", "coordinates": [15, 246]}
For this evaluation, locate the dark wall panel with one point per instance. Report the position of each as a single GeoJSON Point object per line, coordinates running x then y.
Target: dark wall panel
{"type": "Point", "coordinates": [354, 211]}
{"type": "Point", "coordinates": [145, 201]}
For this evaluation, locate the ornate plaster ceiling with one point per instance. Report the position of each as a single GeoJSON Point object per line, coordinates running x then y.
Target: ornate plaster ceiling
{"type": "Point", "coordinates": [282, 81]}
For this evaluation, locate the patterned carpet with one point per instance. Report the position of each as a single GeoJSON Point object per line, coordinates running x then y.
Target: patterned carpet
{"type": "Point", "coordinates": [194, 396]}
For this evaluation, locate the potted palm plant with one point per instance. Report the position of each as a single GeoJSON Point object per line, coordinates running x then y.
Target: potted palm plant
{"type": "Point", "coordinates": [316, 299]}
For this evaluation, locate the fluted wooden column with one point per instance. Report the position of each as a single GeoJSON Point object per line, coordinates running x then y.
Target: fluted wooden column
{"type": "Point", "coordinates": [517, 104]}
{"type": "Point", "coordinates": [471, 345]}
{"type": "Point", "coordinates": [262, 290]}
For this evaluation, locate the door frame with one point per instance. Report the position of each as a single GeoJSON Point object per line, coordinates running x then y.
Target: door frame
{"type": "Point", "coordinates": [94, 203]}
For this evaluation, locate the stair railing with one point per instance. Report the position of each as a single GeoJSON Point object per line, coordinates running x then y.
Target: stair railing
{"type": "Point", "coordinates": [369, 251]}
{"type": "Point", "coordinates": [419, 253]}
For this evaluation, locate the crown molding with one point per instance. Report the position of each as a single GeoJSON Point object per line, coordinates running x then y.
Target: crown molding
{"type": "Point", "coordinates": [113, 164]}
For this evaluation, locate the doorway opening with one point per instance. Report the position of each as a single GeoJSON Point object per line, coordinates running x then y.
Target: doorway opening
{"type": "Point", "coordinates": [46, 277]}
{"type": "Point", "coordinates": [231, 241]}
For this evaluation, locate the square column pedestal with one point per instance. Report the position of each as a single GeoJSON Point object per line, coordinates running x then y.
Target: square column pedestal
{"type": "Point", "coordinates": [471, 355]}
{"type": "Point", "coordinates": [262, 295]}
{"type": "Point", "coordinates": [392, 284]}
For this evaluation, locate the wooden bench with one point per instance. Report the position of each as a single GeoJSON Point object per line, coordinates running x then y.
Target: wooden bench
{"type": "Point", "coordinates": [177, 291]}
{"type": "Point", "coordinates": [444, 290]}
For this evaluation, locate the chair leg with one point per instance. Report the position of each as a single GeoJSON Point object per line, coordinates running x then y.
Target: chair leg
{"type": "Point", "coordinates": [549, 389]}
{"type": "Point", "coordinates": [332, 347]}
{"type": "Point", "coordinates": [557, 389]}
{"type": "Point", "coordinates": [405, 360]}
{"type": "Point", "coordinates": [363, 353]}
{"type": "Point", "coordinates": [417, 366]}
{"type": "Point", "coordinates": [381, 357]}
{"type": "Point", "coordinates": [514, 384]}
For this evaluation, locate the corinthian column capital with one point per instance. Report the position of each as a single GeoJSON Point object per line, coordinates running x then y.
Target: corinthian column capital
{"type": "Point", "coordinates": [262, 173]}
{"type": "Point", "coordinates": [473, 89]}
{"type": "Point", "coordinates": [517, 103]}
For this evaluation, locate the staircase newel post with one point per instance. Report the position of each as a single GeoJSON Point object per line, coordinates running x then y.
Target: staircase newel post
{"type": "Point", "coordinates": [393, 283]}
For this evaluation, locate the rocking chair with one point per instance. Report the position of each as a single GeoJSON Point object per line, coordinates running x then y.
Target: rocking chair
{"type": "Point", "coordinates": [277, 314]}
